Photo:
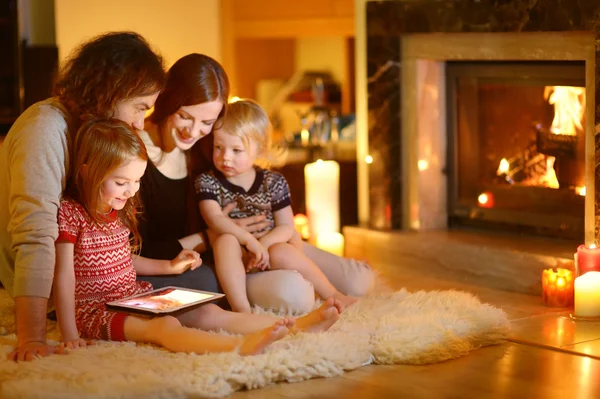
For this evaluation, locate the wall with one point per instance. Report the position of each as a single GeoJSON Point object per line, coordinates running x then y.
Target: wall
{"type": "Point", "coordinates": [175, 27]}
{"type": "Point", "coordinates": [37, 22]}
{"type": "Point", "coordinates": [321, 54]}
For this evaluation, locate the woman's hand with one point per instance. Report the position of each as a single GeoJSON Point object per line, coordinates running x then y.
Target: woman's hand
{"type": "Point", "coordinates": [187, 259]}
{"type": "Point", "coordinates": [251, 224]}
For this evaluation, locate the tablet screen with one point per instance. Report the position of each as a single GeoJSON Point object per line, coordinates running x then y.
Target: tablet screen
{"type": "Point", "coordinates": [164, 300]}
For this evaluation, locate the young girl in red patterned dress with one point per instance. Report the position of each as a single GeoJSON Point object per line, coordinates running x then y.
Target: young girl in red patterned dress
{"type": "Point", "coordinates": [95, 265]}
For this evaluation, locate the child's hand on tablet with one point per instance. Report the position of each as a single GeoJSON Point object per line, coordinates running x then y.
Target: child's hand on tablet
{"type": "Point", "coordinates": [187, 259]}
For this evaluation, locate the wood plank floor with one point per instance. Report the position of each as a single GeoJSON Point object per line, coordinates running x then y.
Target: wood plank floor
{"type": "Point", "coordinates": [510, 370]}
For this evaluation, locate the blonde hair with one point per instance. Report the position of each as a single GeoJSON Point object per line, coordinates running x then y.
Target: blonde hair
{"type": "Point", "coordinates": [100, 147]}
{"type": "Point", "coordinates": [247, 120]}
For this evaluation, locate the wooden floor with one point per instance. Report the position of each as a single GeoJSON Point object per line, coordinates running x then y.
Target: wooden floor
{"type": "Point", "coordinates": [550, 364]}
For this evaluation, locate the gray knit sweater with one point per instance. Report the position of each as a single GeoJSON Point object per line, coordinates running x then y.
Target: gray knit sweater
{"type": "Point", "coordinates": [33, 165]}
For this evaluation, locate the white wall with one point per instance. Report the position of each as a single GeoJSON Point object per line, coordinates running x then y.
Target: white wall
{"type": "Point", "coordinates": [321, 54]}
{"type": "Point", "coordinates": [173, 27]}
{"type": "Point", "coordinates": [362, 129]}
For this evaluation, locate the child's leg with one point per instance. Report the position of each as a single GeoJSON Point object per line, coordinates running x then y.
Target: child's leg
{"type": "Point", "coordinates": [286, 256]}
{"type": "Point", "coordinates": [211, 317]}
{"type": "Point", "coordinates": [231, 271]}
{"type": "Point", "coordinates": [168, 332]}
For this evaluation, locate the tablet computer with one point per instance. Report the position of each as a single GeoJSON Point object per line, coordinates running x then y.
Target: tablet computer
{"type": "Point", "coordinates": [164, 300]}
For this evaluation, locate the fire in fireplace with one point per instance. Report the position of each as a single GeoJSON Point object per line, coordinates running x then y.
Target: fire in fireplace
{"type": "Point", "coordinates": [516, 146]}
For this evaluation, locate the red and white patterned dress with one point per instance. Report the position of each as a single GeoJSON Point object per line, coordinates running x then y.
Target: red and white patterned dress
{"type": "Point", "coordinates": [103, 269]}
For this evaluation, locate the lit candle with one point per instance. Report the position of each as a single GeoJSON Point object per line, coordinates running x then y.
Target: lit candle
{"type": "Point", "coordinates": [587, 295]}
{"type": "Point", "coordinates": [557, 287]}
{"type": "Point", "coordinates": [301, 225]}
{"type": "Point", "coordinates": [588, 259]}
{"type": "Point", "coordinates": [322, 179]}
{"type": "Point", "coordinates": [331, 242]}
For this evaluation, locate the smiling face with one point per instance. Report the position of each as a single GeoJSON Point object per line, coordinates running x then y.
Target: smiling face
{"type": "Point", "coordinates": [230, 156]}
{"type": "Point", "coordinates": [190, 123]}
{"type": "Point", "coordinates": [133, 111]}
{"type": "Point", "coordinates": [121, 185]}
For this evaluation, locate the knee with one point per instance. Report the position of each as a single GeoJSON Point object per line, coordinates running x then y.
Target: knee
{"type": "Point", "coordinates": [208, 311]}
{"type": "Point", "coordinates": [284, 290]}
{"type": "Point", "coordinates": [164, 323]}
{"type": "Point", "coordinates": [279, 254]}
{"type": "Point", "coordinates": [225, 240]}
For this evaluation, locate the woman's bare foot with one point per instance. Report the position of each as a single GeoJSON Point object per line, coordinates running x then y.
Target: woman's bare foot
{"type": "Point", "coordinates": [321, 319]}
{"type": "Point", "coordinates": [255, 343]}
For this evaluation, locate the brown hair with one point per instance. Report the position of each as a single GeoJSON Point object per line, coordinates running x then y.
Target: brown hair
{"type": "Point", "coordinates": [108, 69]}
{"type": "Point", "coordinates": [193, 79]}
{"type": "Point", "coordinates": [103, 146]}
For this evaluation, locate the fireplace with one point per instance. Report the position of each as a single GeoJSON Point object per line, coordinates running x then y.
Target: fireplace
{"type": "Point", "coordinates": [516, 146]}
{"type": "Point", "coordinates": [413, 178]}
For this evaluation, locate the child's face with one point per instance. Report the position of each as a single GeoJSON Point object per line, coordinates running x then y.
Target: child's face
{"type": "Point", "coordinates": [121, 185]}
{"type": "Point", "coordinates": [230, 155]}
{"type": "Point", "coordinates": [190, 123]}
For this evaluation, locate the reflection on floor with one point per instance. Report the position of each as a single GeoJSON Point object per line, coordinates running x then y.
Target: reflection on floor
{"type": "Point", "coordinates": [546, 359]}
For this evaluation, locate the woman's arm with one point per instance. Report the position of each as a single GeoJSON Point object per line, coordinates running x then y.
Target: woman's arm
{"type": "Point", "coordinates": [64, 291]}
{"type": "Point", "coordinates": [283, 230]}
{"type": "Point", "coordinates": [219, 223]}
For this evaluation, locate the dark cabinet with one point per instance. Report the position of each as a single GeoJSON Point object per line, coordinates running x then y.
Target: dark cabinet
{"type": "Point", "coordinates": [26, 71]}
{"type": "Point", "coordinates": [11, 102]}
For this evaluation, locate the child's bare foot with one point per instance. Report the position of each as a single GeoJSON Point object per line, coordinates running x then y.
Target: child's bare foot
{"type": "Point", "coordinates": [321, 319]}
{"type": "Point", "coordinates": [345, 301]}
{"type": "Point", "coordinates": [255, 343]}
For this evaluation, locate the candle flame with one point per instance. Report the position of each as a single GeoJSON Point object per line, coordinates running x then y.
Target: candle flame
{"type": "Point", "coordinates": [503, 167]}
{"type": "Point", "coordinates": [580, 190]}
{"type": "Point", "coordinates": [560, 282]}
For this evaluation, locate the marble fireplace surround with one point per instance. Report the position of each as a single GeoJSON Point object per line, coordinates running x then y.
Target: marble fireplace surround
{"type": "Point", "coordinates": [408, 43]}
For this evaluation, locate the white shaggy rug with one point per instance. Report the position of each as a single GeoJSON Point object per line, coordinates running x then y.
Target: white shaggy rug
{"type": "Point", "coordinates": [386, 328]}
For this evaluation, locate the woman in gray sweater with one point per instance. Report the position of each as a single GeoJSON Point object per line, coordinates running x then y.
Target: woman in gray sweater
{"type": "Point", "coordinates": [113, 75]}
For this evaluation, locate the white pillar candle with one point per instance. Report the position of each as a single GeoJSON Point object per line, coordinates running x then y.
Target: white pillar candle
{"type": "Point", "coordinates": [322, 180]}
{"type": "Point", "coordinates": [587, 295]}
{"type": "Point", "coordinates": [331, 242]}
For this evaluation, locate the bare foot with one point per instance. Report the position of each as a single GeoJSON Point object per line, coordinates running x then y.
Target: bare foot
{"type": "Point", "coordinates": [255, 343]}
{"type": "Point", "coordinates": [345, 301]}
{"type": "Point", "coordinates": [321, 319]}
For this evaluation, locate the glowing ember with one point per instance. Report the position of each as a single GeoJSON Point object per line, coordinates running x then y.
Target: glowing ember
{"type": "Point", "coordinates": [569, 106]}
{"type": "Point", "coordinates": [549, 179]}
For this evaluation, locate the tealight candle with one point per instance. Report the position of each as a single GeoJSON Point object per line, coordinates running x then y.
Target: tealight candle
{"type": "Point", "coordinates": [587, 295]}
{"type": "Point", "coordinates": [557, 287]}
{"type": "Point", "coordinates": [588, 259]}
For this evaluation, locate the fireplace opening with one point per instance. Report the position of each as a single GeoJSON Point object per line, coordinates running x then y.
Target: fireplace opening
{"type": "Point", "coordinates": [516, 146]}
